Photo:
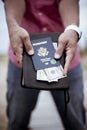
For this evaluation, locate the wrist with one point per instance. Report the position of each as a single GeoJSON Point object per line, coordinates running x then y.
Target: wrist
{"type": "Point", "coordinates": [74, 28]}
{"type": "Point", "coordinates": [13, 30]}
{"type": "Point", "coordinates": [12, 25]}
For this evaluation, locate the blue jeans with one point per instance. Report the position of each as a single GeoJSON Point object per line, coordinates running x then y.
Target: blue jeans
{"type": "Point", "coordinates": [21, 101]}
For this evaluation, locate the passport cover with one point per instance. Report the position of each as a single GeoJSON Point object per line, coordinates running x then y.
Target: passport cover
{"type": "Point", "coordinates": [43, 53]}
{"type": "Point", "coordinates": [29, 72]}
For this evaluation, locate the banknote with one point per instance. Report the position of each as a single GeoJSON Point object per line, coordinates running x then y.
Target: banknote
{"type": "Point", "coordinates": [52, 74]}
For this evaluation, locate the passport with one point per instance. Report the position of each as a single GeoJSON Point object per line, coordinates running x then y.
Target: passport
{"type": "Point", "coordinates": [43, 53]}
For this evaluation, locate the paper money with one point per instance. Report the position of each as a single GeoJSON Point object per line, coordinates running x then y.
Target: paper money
{"type": "Point", "coordinates": [42, 76]}
{"type": "Point", "coordinates": [52, 74]}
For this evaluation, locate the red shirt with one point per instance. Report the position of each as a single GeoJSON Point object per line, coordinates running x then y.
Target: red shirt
{"type": "Point", "coordinates": [43, 16]}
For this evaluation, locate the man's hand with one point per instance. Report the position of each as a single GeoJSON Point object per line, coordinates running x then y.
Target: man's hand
{"type": "Point", "coordinates": [19, 37]}
{"type": "Point", "coordinates": [68, 42]}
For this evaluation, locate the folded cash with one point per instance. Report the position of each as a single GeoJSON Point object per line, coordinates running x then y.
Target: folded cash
{"type": "Point", "coordinates": [41, 75]}
{"type": "Point", "coordinates": [52, 74]}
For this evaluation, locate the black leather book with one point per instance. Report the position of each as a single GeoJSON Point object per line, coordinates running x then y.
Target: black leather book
{"type": "Point", "coordinates": [29, 72]}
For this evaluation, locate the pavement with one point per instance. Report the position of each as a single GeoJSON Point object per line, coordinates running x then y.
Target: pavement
{"type": "Point", "coordinates": [45, 115]}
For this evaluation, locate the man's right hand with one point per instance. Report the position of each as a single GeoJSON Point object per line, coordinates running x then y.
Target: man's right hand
{"type": "Point", "coordinates": [19, 37]}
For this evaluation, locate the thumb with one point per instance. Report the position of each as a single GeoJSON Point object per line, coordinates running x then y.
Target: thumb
{"type": "Point", "coordinates": [28, 45]}
{"type": "Point", "coordinates": [59, 50]}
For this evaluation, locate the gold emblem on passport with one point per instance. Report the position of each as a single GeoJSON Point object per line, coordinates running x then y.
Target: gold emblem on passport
{"type": "Point", "coordinates": [42, 52]}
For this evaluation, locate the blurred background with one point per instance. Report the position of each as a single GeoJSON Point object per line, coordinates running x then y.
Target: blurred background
{"type": "Point", "coordinates": [40, 121]}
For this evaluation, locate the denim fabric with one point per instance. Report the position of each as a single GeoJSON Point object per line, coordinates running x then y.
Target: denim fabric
{"type": "Point", "coordinates": [22, 101]}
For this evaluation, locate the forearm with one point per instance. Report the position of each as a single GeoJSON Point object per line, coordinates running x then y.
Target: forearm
{"type": "Point", "coordinates": [14, 12]}
{"type": "Point", "coordinates": [69, 11]}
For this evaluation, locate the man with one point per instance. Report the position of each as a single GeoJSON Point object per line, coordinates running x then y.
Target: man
{"type": "Point", "coordinates": [41, 16]}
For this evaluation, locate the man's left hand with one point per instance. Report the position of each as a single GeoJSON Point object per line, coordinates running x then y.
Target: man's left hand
{"type": "Point", "coordinates": [67, 41]}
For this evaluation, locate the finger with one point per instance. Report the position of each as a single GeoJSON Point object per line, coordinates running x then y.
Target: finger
{"type": "Point", "coordinates": [19, 59]}
{"type": "Point", "coordinates": [28, 45]}
{"type": "Point", "coordinates": [19, 53]}
{"type": "Point", "coordinates": [14, 49]}
{"type": "Point", "coordinates": [60, 49]}
{"type": "Point", "coordinates": [18, 50]}
{"type": "Point", "coordinates": [67, 63]}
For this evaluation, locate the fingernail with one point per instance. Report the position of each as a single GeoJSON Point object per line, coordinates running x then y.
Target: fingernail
{"type": "Point", "coordinates": [57, 56]}
{"type": "Point", "coordinates": [31, 52]}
